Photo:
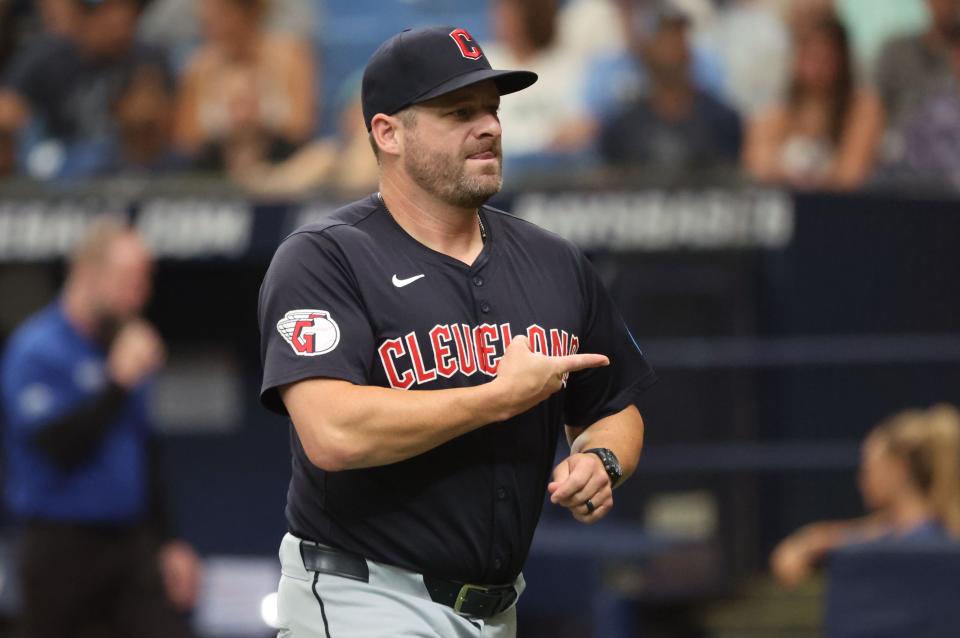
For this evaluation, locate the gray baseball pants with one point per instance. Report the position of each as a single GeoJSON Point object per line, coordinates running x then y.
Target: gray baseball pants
{"type": "Point", "coordinates": [394, 604]}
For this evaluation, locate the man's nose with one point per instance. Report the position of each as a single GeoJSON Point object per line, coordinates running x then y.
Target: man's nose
{"type": "Point", "coordinates": [489, 125]}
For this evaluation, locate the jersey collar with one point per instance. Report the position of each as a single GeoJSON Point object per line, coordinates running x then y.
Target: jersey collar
{"type": "Point", "coordinates": [435, 256]}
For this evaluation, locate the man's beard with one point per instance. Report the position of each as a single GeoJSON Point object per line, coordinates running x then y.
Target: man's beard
{"type": "Point", "coordinates": [444, 176]}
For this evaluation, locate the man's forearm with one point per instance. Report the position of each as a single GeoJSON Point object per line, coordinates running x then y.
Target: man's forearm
{"type": "Point", "coordinates": [621, 432]}
{"type": "Point", "coordinates": [345, 426]}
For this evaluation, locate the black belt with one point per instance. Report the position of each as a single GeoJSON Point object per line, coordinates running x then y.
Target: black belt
{"type": "Point", "coordinates": [480, 601]}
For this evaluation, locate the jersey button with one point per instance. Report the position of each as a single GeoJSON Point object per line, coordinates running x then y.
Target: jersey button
{"type": "Point", "coordinates": [497, 563]}
{"type": "Point", "coordinates": [501, 493]}
{"type": "Point", "coordinates": [484, 307]}
{"type": "Point", "coordinates": [478, 281]}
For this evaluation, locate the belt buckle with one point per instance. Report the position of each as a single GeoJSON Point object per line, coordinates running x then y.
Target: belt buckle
{"type": "Point", "coordinates": [462, 596]}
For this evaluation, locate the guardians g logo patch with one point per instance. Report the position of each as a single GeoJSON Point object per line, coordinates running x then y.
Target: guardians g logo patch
{"type": "Point", "coordinates": [309, 332]}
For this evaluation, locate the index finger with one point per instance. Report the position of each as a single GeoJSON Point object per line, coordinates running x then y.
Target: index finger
{"type": "Point", "coordinates": [574, 362]}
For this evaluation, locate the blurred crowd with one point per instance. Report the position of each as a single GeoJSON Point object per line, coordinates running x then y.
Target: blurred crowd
{"type": "Point", "coordinates": [809, 94]}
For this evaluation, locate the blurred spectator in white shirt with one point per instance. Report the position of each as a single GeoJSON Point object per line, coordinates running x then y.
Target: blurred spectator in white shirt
{"type": "Point", "coordinates": [526, 38]}
{"type": "Point", "coordinates": [825, 134]}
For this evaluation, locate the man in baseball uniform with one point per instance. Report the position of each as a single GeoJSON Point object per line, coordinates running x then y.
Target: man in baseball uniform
{"type": "Point", "coordinates": [425, 348]}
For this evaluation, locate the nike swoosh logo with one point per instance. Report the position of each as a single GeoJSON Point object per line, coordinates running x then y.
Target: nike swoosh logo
{"type": "Point", "coordinates": [400, 283]}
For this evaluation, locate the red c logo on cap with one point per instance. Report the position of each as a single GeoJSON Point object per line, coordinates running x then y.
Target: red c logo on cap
{"type": "Point", "coordinates": [465, 43]}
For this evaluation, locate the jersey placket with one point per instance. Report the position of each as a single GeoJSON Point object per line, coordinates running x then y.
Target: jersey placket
{"type": "Point", "coordinates": [502, 502]}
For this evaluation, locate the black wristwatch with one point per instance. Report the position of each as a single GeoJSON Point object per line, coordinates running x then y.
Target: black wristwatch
{"type": "Point", "coordinates": [610, 463]}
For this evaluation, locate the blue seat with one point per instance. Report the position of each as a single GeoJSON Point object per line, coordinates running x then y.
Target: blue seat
{"type": "Point", "coordinates": [894, 591]}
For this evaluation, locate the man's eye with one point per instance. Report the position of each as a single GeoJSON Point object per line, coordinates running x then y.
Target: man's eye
{"type": "Point", "coordinates": [462, 113]}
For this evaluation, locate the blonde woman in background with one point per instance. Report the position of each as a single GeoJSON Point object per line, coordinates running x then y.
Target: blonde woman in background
{"type": "Point", "coordinates": [910, 482]}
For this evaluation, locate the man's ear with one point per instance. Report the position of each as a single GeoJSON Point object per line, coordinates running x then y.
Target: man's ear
{"type": "Point", "coordinates": [387, 134]}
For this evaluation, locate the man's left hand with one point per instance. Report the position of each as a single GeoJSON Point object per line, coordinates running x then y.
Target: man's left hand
{"type": "Point", "coordinates": [580, 478]}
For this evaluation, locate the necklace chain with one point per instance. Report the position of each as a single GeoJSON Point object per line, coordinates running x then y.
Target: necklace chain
{"type": "Point", "coordinates": [483, 229]}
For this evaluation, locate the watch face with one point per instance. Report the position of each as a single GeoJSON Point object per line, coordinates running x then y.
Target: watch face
{"type": "Point", "coordinates": [615, 463]}
{"type": "Point", "coordinates": [610, 463]}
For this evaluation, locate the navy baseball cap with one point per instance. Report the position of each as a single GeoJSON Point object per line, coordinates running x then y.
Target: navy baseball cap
{"type": "Point", "coordinates": [417, 65]}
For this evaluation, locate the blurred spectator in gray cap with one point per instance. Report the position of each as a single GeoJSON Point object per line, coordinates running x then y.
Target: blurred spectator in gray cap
{"type": "Point", "coordinates": [911, 68]}
{"type": "Point", "coordinates": [675, 126]}
{"type": "Point", "coordinates": [245, 87]}
{"type": "Point", "coordinates": [825, 134]}
{"type": "Point", "coordinates": [65, 85]}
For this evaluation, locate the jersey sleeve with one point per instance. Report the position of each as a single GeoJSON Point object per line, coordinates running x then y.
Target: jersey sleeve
{"type": "Point", "coordinates": [313, 322]}
{"type": "Point", "coordinates": [599, 392]}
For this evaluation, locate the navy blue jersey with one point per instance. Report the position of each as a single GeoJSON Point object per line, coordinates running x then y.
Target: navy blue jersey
{"type": "Point", "coordinates": [355, 297]}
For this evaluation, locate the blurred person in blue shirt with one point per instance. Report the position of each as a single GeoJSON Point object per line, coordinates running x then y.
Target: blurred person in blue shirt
{"type": "Point", "coordinates": [80, 477]}
{"type": "Point", "coordinates": [910, 482]}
